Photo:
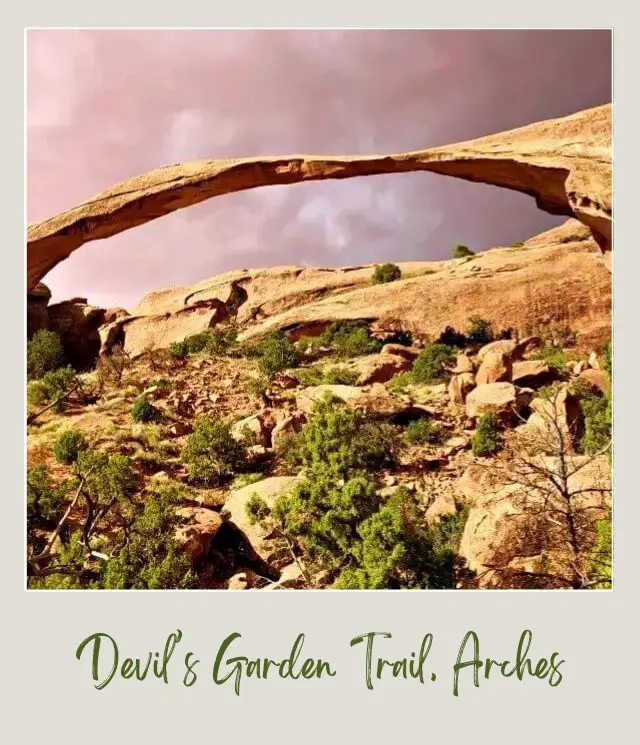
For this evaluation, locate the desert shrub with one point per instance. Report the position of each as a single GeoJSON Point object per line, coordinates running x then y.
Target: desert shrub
{"type": "Point", "coordinates": [277, 352]}
{"type": "Point", "coordinates": [452, 338]}
{"type": "Point", "coordinates": [44, 353]}
{"type": "Point", "coordinates": [211, 452]}
{"type": "Point", "coordinates": [479, 331]}
{"type": "Point", "coordinates": [310, 375]}
{"type": "Point", "coordinates": [258, 386]}
{"type": "Point", "coordinates": [384, 273]}
{"type": "Point", "coordinates": [487, 437]}
{"type": "Point", "coordinates": [601, 561]}
{"type": "Point", "coordinates": [460, 251]}
{"type": "Point", "coordinates": [152, 558]}
{"type": "Point", "coordinates": [222, 341]}
{"type": "Point", "coordinates": [144, 411]}
{"type": "Point", "coordinates": [111, 367]}
{"type": "Point", "coordinates": [179, 350]}
{"type": "Point", "coordinates": [553, 355]}
{"type": "Point", "coordinates": [107, 479]}
{"type": "Point", "coordinates": [349, 339]}
{"type": "Point", "coordinates": [343, 440]}
{"type": "Point", "coordinates": [44, 501]}
{"type": "Point", "coordinates": [517, 244]}
{"type": "Point", "coordinates": [51, 386]}
{"type": "Point", "coordinates": [596, 411]}
{"type": "Point", "coordinates": [561, 335]}
{"type": "Point", "coordinates": [69, 445]}
{"type": "Point", "coordinates": [339, 375]}
{"type": "Point", "coordinates": [400, 383]}
{"type": "Point", "coordinates": [424, 431]}
{"type": "Point", "coordinates": [431, 364]}
{"type": "Point", "coordinates": [163, 385]}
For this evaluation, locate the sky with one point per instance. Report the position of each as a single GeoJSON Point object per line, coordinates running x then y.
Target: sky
{"type": "Point", "coordinates": [103, 106]}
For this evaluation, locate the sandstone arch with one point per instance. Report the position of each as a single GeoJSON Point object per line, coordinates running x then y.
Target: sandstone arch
{"type": "Point", "coordinates": [565, 164]}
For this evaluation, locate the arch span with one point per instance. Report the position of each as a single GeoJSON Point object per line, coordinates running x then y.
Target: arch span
{"type": "Point", "coordinates": [565, 164]}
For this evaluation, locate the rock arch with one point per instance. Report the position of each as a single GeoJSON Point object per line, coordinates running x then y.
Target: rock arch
{"type": "Point", "coordinates": [565, 164]}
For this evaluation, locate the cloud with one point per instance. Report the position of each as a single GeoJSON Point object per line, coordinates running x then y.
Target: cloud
{"type": "Point", "coordinates": [103, 106]}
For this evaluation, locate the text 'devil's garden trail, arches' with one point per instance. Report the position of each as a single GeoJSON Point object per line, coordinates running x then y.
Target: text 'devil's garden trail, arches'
{"type": "Point", "coordinates": [565, 164]}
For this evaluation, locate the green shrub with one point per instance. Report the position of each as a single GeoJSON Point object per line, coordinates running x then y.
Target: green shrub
{"type": "Point", "coordinates": [277, 352]}
{"type": "Point", "coordinates": [44, 501]}
{"type": "Point", "coordinates": [601, 561]}
{"type": "Point", "coordinates": [246, 479]}
{"type": "Point", "coordinates": [258, 386]}
{"type": "Point", "coordinates": [144, 411]}
{"type": "Point", "coordinates": [554, 356]}
{"type": "Point", "coordinates": [487, 437]}
{"type": "Point", "coordinates": [310, 375]}
{"type": "Point", "coordinates": [460, 251]}
{"type": "Point", "coordinates": [517, 244]}
{"type": "Point", "coordinates": [69, 445]}
{"type": "Point", "coordinates": [152, 558]}
{"type": "Point", "coordinates": [479, 331]}
{"type": "Point", "coordinates": [596, 411]}
{"type": "Point", "coordinates": [607, 359]}
{"type": "Point", "coordinates": [431, 364]}
{"type": "Point", "coordinates": [400, 383]}
{"type": "Point", "coordinates": [211, 452]}
{"type": "Point", "coordinates": [44, 353]}
{"type": "Point", "coordinates": [343, 441]}
{"type": "Point", "coordinates": [222, 341]}
{"type": "Point", "coordinates": [51, 386]}
{"type": "Point", "coordinates": [179, 350]}
{"type": "Point", "coordinates": [340, 375]}
{"type": "Point", "coordinates": [424, 431]}
{"type": "Point", "coordinates": [196, 342]}
{"type": "Point", "coordinates": [345, 338]}
{"type": "Point", "coordinates": [384, 273]}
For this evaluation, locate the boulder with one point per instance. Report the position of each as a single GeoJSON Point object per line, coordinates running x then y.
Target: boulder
{"type": "Point", "coordinates": [508, 537]}
{"type": "Point", "coordinates": [554, 417]}
{"type": "Point", "coordinates": [77, 326]}
{"type": "Point", "coordinates": [528, 344]}
{"type": "Point", "coordinates": [463, 364]}
{"type": "Point", "coordinates": [234, 510]}
{"type": "Point", "coordinates": [200, 529]}
{"type": "Point", "coordinates": [502, 399]}
{"type": "Point", "coordinates": [496, 367]}
{"type": "Point", "coordinates": [37, 301]}
{"type": "Point", "coordinates": [460, 386]}
{"type": "Point", "coordinates": [594, 362]}
{"type": "Point", "coordinates": [596, 379]}
{"type": "Point", "coordinates": [379, 368]}
{"type": "Point", "coordinates": [507, 347]}
{"type": "Point", "coordinates": [377, 401]}
{"type": "Point", "coordinates": [399, 350]}
{"type": "Point", "coordinates": [289, 424]}
{"type": "Point", "coordinates": [253, 428]}
{"type": "Point", "coordinates": [532, 373]}
{"type": "Point", "coordinates": [443, 505]}
{"type": "Point", "coordinates": [578, 367]}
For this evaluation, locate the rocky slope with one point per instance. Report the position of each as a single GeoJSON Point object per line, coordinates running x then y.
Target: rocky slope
{"type": "Point", "coordinates": [565, 164]}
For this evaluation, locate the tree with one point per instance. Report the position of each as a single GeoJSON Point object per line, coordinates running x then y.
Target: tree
{"type": "Point", "coordinates": [212, 453]}
{"type": "Point", "coordinates": [44, 353]}
{"type": "Point", "coordinates": [552, 498]}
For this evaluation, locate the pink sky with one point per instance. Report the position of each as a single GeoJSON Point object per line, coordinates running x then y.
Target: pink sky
{"type": "Point", "coordinates": [106, 105]}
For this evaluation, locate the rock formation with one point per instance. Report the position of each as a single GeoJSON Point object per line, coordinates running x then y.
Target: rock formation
{"type": "Point", "coordinates": [557, 277]}
{"type": "Point", "coordinates": [565, 164]}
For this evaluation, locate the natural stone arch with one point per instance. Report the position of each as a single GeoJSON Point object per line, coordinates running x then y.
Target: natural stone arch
{"type": "Point", "coordinates": [565, 164]}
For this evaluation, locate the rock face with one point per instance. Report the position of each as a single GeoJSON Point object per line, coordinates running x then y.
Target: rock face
{"type": "Point", "coordinates": [565, 164]}
{"type": "Point", "coordinates": [37, 301]}
{"type": "Point", "coordinates": [556, 278]}
{"type": "Point", "coordinates": [531, 373]}
{"type": "Point", "coordinates": [77, 324]}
